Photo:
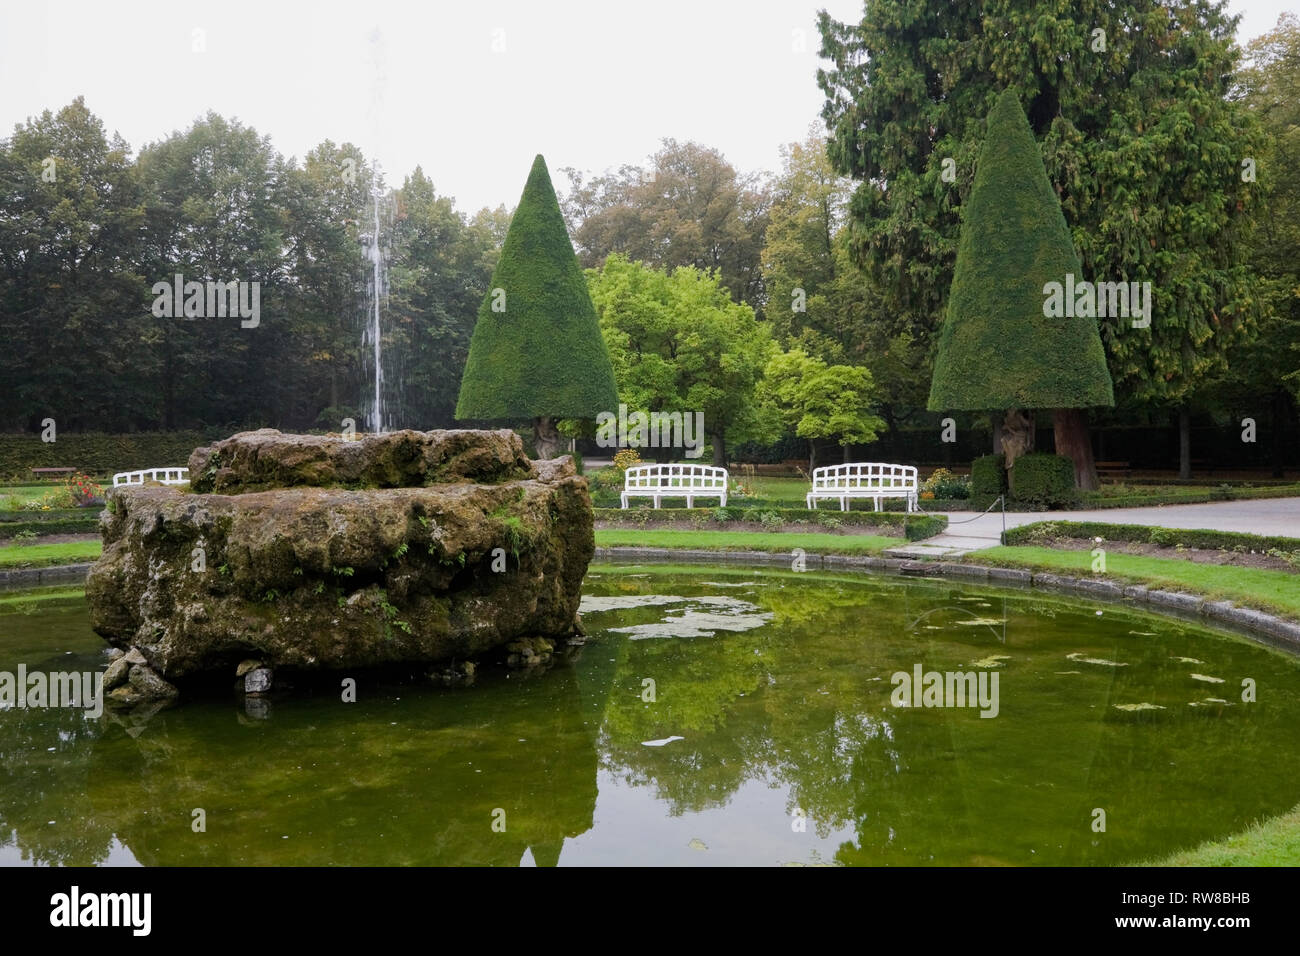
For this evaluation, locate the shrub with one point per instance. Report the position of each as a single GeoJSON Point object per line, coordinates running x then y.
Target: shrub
{"type": "Point", "coordinates": [604, 480]}
{"type": "Point", "coordinates": [83, 489]}
{"type": "Point", "coordinates": [770, 519]}
{"type": "Point", "coordinates": [1163, 537]}
{"type": "Point", "coordinates": [625, 458]}
{"type": "Point", "coordinates": [918, 528]}
{"type": "Point", "coordinates": [988, 475]}
{"type": "Point", "coordinates": [1044, 480]}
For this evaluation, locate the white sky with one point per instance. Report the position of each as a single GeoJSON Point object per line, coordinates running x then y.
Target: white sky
{"type": "Point", "coordinates": [588, 83]}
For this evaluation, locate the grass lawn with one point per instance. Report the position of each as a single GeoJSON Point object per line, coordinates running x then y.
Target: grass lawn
{"type": "Point", "coordinates": [44, 555]}
{"type": "Point", "coordinates": [26, 492]}
{"type": "Point", "coordinates": [746, 541]}
{"type": "Point", "coordinates": [1273, 842]}
{"type": "Point", "coordinates": [1260, 588]}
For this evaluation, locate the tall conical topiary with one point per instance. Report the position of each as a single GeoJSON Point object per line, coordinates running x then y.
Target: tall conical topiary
{"type": "Point", "coordinates": [997, 350]}
{"type": "Point", "coordinates": [537, 352]}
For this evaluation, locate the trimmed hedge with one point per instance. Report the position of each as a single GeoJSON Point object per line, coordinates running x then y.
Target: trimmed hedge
{"type": "Point", "coordinates": [540, 351]}
{"type": "Point", "coordinates": [96, 453]}
{"type": "Point", "coordinates": [57, 514]}
{"type": "Point", "coordinates": [1201, 538]}
{"type": "Point", "coordinates": [913, 527]}
{"type": "Point", "coordinates": [988, 476]}
{"type": "Point", "coordinates": [85, 525]}
{"type": "Point", "coordinates": [1044, 479]}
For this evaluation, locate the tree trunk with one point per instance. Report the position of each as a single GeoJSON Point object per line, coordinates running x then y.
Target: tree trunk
{"type": "Point", "coordinates": [812, 456]}
{"type": "Point", "coordinates": [546, 438]}
{"type": "Point", "coordinates": [719, 449]}
{"type": "Point", "coordinates": [1280, 402]}
{"type": "Point", "coordinates": [1018, 429]}
{"type": "Point", "coordinates": [848, 454]}
{"type": "Point", "coordinates": [1070, 431]}
{"type": "Point", "coordinates": [995, 420]}
{"type": "Point", "coordinates": [1184, 442]}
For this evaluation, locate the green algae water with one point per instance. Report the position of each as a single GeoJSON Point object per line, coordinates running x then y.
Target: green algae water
{"type": "Point", "coordinates": [715, 716]}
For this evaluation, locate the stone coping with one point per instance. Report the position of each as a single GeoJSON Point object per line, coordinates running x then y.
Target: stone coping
{"type": "Point", "coordinates": [1267, 628]}
{"type": "Point", "coordinates": [38, 577]}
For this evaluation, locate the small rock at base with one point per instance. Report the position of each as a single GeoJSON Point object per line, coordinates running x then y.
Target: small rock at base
{"type": "Point", "coordinates": [257, 681]}
{"type": "Point", "coordinates": [117, 673]}
{"type": "Point", "coordinates": [133, 656]}
{"type": "Point", "coordinates": [149, 685]}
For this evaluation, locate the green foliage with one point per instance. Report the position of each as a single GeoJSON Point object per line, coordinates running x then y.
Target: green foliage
{"type": "Point", "coordinates": [678, 343]}
{"type": "Point", "coordinates": [1138, 140]}
{"type": "Point", "coordinates": [918, 528]}
{"type": "Point", "coordinates": [1044, 480]}
{"type": "Point", "coordinates": [95, 452]}
{"type": "Point", "coordinates": [821, 401]}
{"type": "Point", "coordinates": [988, 475]}
{"type": "Point", "coordinates": [997, 350]}
{"type": "Point", "coordinates": [83, 525]}
{"type": "Point", "coordinates": [543, 354]}
{"type": "Point", "coordinates": [1165, 537]}
{"type": "Point", "coordinates": [785, 519]}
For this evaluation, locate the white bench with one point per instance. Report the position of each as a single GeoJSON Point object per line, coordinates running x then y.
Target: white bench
{"type": "Point", "coordinates": [675, 481]}
{"type": "Point", "coordinates": [164, 476]}
{"type": "Point", "coordinates": [864, 480]}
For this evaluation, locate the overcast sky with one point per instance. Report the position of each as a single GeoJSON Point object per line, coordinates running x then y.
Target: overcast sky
{"type": "Point", "coordinates": [470, 91]}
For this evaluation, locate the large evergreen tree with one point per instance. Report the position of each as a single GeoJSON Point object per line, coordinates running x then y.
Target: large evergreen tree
{"type": "Point", "coordinates": [998, 350]}
{"type": "Point", "coordinates": [1128, 101]}
{"type": "Point", "coordinates": [536, 352]}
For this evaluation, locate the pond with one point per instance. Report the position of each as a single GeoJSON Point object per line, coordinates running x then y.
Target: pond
{"type": "Point", "coordinates": [715, 716]}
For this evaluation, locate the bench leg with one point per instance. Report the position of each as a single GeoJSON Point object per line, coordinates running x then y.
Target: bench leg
{"type": "Point", "coordinates": [623, 498]}
{"type": "Point", "coordinates": [690, 501]}
{"type": "Point", "coordinates": [656, 501]}
{"type": "Point", "coordinates": [724, 501]}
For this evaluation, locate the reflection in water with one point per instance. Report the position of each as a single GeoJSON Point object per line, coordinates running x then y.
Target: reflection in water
{"type": "Point", "coordinates": [768, 696]}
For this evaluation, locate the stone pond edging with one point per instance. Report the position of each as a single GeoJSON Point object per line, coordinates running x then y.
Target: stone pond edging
{"type": "Point", "coordinates": [39, 577]}
{"type": "Point", "coordinates": [1272, 629]}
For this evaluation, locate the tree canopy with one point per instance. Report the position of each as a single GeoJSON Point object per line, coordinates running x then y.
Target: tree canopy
{"type": "Point", "coordinates": [679, 343]}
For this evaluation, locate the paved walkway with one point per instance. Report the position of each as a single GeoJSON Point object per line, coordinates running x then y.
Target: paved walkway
{"type": "Point", "coordinates": [1277, 516]}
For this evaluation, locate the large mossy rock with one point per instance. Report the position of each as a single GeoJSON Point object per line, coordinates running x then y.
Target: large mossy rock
{"type": "Point", "coordinates": [323, 553]}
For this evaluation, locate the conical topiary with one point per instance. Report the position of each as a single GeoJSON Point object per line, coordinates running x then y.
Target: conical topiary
{"type": "Point", "coordinates": [537, 352]}
{"type": "Point", "coordinates": [997, 350]}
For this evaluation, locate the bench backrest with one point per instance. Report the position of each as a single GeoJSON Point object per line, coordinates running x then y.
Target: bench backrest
{"type": "Point", "coordinates": [165, 476]}
{"type": "Point", "coordinates": [866, 475]}
{"type": "Point", "coordinates": [663, 477]}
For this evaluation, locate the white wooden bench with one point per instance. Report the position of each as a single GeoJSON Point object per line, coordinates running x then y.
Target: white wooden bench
{"type": "Point", "coordinates": [872, 480]}
{"type": "Point", "coordinates": [675, 481]}
{"type": "Point", "coordinates": [164, 476]}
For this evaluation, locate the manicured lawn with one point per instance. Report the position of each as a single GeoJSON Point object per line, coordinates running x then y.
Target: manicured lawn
{"type": "Point", "coordinates": [1258, 588]}
{"type": "Point", "coordinates": [25, 492]}
{"type": "Point", "coordinates": [44, 555]}
{"type": "Point", "coordinates": [1274, 842]}
{"type": "Point", "coordinates": [778, 489]}
{"type": "Point", "coordinates": [747, 541]}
